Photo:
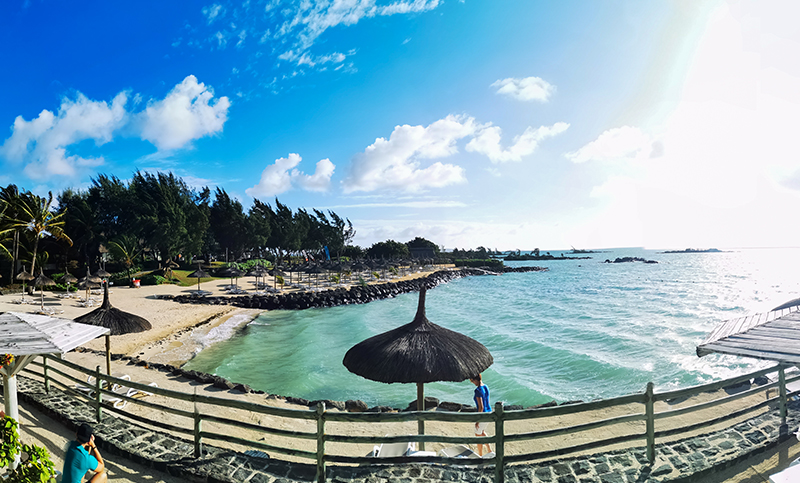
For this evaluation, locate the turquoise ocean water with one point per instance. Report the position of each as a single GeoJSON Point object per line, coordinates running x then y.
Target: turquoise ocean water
{"type": "Point", "coordinates": [583, 330]}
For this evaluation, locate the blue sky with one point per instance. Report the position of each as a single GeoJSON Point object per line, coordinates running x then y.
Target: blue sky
{"type": "Point", "coordinates": [511, 124]}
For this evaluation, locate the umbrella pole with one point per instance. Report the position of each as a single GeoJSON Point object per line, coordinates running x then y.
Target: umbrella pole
{"type": "Point", "coordinates": [108, 354]}
{"type": "Point", "coordinates": [42, 299]}
{"type": "Point", "coordinates": [421, 407]}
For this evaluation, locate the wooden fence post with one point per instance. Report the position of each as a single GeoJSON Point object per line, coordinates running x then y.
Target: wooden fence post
{"type": "Point", "coordinates": [499, 445]}
{"type": "Point", "coordinates": [321, 442]}
{"type": "Point", "coordinates": [98, 395]}
{"type": "Point", "coordinates": [46, 378]}
{"type": "Point", "coordinates": [650, 423]}
{"type": "Point", "coordinates": [198, 427]}
{"type": "Point", "coordinates": [782, 388]}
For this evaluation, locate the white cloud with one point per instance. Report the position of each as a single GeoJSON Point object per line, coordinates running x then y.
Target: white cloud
{"type": "Point", "coordinates": [211, 12]}
{"type": "Point", "coordinates": [487, 142]}
{"type": "Point", "coordinates": [320, 180]}
{"type": "Point", "coordinates": [187, 113]}
{"type": "Point", "coordinates": [242, 36]}
{"type": "Point", "coordinates": [40, 144]}
{"type": "Point", "coordinates": [526, 89]}
{"type": "Point", "coordinates": [312, 19]}
{"type": "Point", "coordinates": [281, 176]}
{"type": "Point", "coordinates": [395, 163]}
{"type": "Point", "coordinates": [624, 142]}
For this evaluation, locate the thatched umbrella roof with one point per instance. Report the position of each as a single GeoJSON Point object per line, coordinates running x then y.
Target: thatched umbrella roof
{"type": "Point", "coordinates": [90, 278]}
{"type": "Point", "coordinates": [69, 278]}
{"type": "Point", "coordinates": [42, 281]}
{"type": "Point", "coordinates": [418, 352]}
{"type": "Point", "coordinates": [25, 277]}
{"type": "Point", "coordinates": [101, 273]}
{"type": "Point", "coordinates": [117, 321]}
{"type": "Point", "coordinates": [198, 274]}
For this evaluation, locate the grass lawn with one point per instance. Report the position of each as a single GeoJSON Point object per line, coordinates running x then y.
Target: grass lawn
{"type": "Point", "coordinates": [184, 281]}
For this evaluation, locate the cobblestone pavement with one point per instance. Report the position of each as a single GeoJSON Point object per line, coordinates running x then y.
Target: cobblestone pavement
{"type": "Point", "coordinates": [687, 460]}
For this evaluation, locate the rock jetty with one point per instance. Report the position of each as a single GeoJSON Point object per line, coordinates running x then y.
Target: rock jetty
{"type": "Point", "coordinates": [356, 294]}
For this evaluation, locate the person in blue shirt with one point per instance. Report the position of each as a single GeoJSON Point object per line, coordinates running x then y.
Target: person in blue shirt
{"type": "Point", "coordinates": [82, 456]}
{"type": "Point", "coordinates": [481, 398]}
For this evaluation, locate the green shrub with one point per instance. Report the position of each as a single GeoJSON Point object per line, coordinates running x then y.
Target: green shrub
{"type": "Point", "coordinates": [376, 274]}
{"type": "Point", "coordinates": [334, 278]}
{"type": "Point", "coordinates": [37, 467]}
{"type": "Point", "coordinates": [153, 279]}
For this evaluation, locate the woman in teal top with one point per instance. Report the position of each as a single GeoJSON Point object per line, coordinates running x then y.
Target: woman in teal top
{"type": "Point", "coordinates": [481, 398]}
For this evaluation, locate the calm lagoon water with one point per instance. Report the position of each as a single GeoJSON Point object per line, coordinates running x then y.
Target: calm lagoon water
{"type": "Point", "coordinates": [583, 330]}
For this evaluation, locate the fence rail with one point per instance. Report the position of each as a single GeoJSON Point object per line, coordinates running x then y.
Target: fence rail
{"type": "Point", "coordinates": [55, 371]}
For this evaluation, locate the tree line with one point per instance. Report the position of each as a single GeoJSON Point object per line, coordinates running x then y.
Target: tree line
{"type": "Point", "coordinates": [161, 217]}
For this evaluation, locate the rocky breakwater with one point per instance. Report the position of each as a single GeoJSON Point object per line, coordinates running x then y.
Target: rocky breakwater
{"type": "Point", "coordinates": [358, 294]}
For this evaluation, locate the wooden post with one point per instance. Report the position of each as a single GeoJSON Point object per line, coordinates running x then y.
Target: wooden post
{"type": "Point", "coordinates": [98, 395]}
{"type": "Point", "coordinates": [108, 353]}
{"type": "Point", "coordinates": [321, 442]}
{"type": "Point", "coordinates": [421, 407]}
{"type": "Point", "coordinates": [46, 377]}
{"type": "Point", "coordinates": [499, 445]}
{"type": "Point", "coordinates": [782, 388]}
{"type": "Point", "coordinates": [650, 423]}
{"type": "Point", "coordinates": [198, 427]}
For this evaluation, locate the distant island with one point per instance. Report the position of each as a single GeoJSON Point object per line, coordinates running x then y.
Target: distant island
{"type": "Point", "coordinates": [578, 251]}
{"type": "Point", "coordinates": [696, 250]}
{"type": "Point", "coordinates": [526, 257]}
{"type": "Point", "coordinates": [629, 260]}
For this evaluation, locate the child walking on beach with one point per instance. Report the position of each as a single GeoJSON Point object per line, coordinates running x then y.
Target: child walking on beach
{"type": "Point", "coordinates": [482, 402]}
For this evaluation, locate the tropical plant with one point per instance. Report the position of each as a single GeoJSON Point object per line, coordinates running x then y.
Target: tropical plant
{"type": "Point", "coordinates": [126, 250]}
{"type": "Point", "coordinates": [35, 467]}
{"type": "Point", "coordinates": [37, 218]}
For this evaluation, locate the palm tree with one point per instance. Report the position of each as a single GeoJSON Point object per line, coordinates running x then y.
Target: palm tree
{"type": "Point", "coordinates": [39, 220]}
{"type": "Point", "coordinates": [5, 232]}
{"type": "Point", "coordinates": [126, 249]}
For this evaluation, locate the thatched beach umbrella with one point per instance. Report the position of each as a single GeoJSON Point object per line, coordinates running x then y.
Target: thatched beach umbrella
{"type": "Point", "coordinates": [198, 274]}
{"type": "Point", "coordinates": [69, 278]}
{"type": "Point", "coordinates": [275, 273]}
{"type": "Point", "coordinates": [25, 277]}
{"type": "Point", "coordinates": [418, 352]}
{"type": "Point", "coordinates": [117, 321]}
{"type": "Point", "coordinates": [90, 281]}
{"type": "Point", "coordinates": [41, 281]}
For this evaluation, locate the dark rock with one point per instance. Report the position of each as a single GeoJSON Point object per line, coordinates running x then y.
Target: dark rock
{"type": "Point", "coordinates": [222, 383]}
{"type": "Point", "coordinates": [297, 400]}
{"type": "Point", "coordinates": [243, 388]}
{"type": "Point", "coordinates": [760, 381]}
{"type": "Point", "coordinates": [329, 404]}
{"type": "Point", "coordinates": [570, 402]}
{"type": "Point", "coordinates": [513, 407]}
{"type": "Point", "coordinates": [355, 406]}
{"type": "Point", "coordinates": [450, 406]}
{"type": "Point", "coordinates": [545, 405]}
{"type": "Point", "coordinates": [430, 403]}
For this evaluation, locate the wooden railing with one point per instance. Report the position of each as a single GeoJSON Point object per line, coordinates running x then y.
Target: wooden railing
{"type": "Point", "coordinates": [57, 371]}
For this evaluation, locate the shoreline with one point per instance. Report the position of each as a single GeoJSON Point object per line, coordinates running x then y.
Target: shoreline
{"type": "Point", "coordinates": [181, 330]}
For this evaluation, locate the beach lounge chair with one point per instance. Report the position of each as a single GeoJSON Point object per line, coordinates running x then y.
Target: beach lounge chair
{"type": "Point", "coordinates": [119, 402]}
{"type": "Point", "coordinates": [458, 451]}
{"type": "Point", "coordinates": [390, 450]}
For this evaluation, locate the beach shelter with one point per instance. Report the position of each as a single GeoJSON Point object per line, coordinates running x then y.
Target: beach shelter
{"type": "Point", "coordinates": [115, 320]}
{"type": "Point", "coordinates": [772, 336]}
{"type": "Point", "coordinates": [89, 281]}
{"type": "Point", "coordinates": [26, 336]}
{"type": "Point", "coordinates": [418, 352]}
{"type": "Point", "coordinates": [25, 277]}
{"type": "Point", "coordinates": [42, 281]}
{"type": "Point", "coordinates": [69, 278]}
{"type": "Point", "coordinates": [198, 274]}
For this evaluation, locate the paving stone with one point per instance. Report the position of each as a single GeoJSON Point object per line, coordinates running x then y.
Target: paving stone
{"type": "Point", "coordinates": [561, 469]}
{"type": "Point", "coordinates": [612, 478]}
{"type": "Point", "coordinates": [602, 468]}
{"type": "Point", "coordinates": [567, 479]}
{"type": "Point", "coordinates": [544, 473]}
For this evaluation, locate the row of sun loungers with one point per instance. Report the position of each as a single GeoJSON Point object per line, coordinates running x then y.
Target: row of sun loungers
{"type": "Point", "coordinates": [119, 390]}
{"type": "Point", "coordinates": [391, 450]}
